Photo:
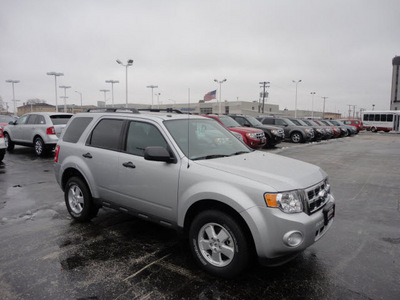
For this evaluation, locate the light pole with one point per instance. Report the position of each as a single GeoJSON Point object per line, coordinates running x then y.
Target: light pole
{"type": "Point", "coordinates": [13, 99]}
{"type": "Point", "coordinates": [55, 74]}
{"type": "Point", "coordinates": [152, 87]}
{"type": "Point", "coordinates": [373, 106]}
{"type": "Point", "coordinates": [105, 97]}
{"type": "Point", "coordinates": [295, 101]}
{"type": "Point", "coordinates": [128, 64]}
{"type": "Point", "coordinates": [158, 99]}
{"type": "Point", "coordinates": [323, 112]}
{"type": "Point", "coordinates": [112, 89]}
{"type": "Point", "coordinates": [312, 104]}
{"type": "Point", "coordinates": [80, 94]}
{"type": "Point", "coordinates": [220, 92]}
{"type": "Point", "coordinates": [65, 87]}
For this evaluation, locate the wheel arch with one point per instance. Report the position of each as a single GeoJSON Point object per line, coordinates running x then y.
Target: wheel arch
{"type": "Point", "coordinates": [208, 204]}
{"type": "Point", "coordinates": [71, 172]}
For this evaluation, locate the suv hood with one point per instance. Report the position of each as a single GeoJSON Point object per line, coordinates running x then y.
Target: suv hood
{"type": "Point", "coordinates": [270, 127]}
{"type": "Point", "coordinates": [279, 172]}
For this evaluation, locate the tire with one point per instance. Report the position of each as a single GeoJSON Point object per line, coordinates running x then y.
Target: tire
{"type": "Point", "coordinates": [373, 129]}
{"type": "Point", "coordinates": [78, 200]}
{"type": "Point", "coordinates": [40, 147]}
{"type": "Point", "coordinates": [218, 244]}
{"type": "Point", "coordinates": [296, 137]}
{"type": "Point", "coordinates": [2, 153]}
{"type": "Point", "coordinates": [9, 144]}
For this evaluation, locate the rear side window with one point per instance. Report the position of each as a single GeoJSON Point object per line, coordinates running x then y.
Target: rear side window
{"type": "Point", "coordinates": [75, 129]}
{"type": "Point", "coordinates": [106, 134]}
{"type": "Point", "coordinates": [39, 120]}
{"type": "Point", "coordinates": [60, 119]}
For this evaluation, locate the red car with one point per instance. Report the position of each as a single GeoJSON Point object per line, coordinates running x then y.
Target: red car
{"type": "Point", "coordinates": [254, 138]}
{"type": "Point", "coordinates": [336, 130]}
{"type": "Point", "coordinates": [356, 123]}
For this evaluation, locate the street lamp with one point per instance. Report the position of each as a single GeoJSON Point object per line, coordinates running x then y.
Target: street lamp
{"type": "Point", "coordinates": [55, 74]}
{"type": "Point", "coordinates": [112, 89]}
{"type": "Point", "coordinates": [312, 104]}
{"type": "Point", "coordinates": [128, 64]}
{"type": "Point", "coordinates": [152, 87]}
{"type": "Point", "coordinates": [295, 103]}
{"type": "Point", "coordinates": [105, 98]}
{"type": "Point", "coordinates": [158, 99]}
{"type": "Point", "coordinates": [220, 92]}
{"type": "Point", "coordinates": [80, 94]}
{"type": "Point", "coordinates": [65, 87]}
{"type": "Point", "coordinates": [323, 112]}
{"type": "Point", "coordinates": [13, 99]}
{"type": "Point", "coordinates": [264, 85]}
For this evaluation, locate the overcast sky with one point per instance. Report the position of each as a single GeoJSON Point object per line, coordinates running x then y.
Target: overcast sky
{"type": "Point", "coordinates": [340, 49]}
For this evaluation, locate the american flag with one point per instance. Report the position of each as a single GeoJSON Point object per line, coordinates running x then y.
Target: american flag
{"type": "Point", "coordinates": [210, 95]}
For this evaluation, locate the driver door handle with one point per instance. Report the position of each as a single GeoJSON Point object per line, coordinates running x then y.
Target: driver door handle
{"type": "Point", "coordinates": [129, 164]}
{"type": "Point", "coordinates": [87, 155]}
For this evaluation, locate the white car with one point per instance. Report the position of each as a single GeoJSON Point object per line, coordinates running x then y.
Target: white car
{"type": "Point", "coordinates": [2, 145]}
{"type": "Point", "coordinates": [38, 130]}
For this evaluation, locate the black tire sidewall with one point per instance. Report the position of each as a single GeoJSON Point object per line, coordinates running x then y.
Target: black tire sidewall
{"type": "Point", "coordinates": [241, 257]}
{"type": "Point", "coordinates": [43, 146]}
{"type": "Point", "coordinates": [10, 144]}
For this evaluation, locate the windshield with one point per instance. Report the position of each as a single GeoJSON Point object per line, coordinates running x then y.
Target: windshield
{"type": "Point", "coordinates": [302, 123]}
{"type": "Point", "coordinates": [311, 123]}
{"type": "Point", "coordinates": [296, 122]}
{"type": "Point", "coordinates": [335, 123]}
{"type": "Point", "coordinates": [228, 121]}
{"type": "Point", "coordinates": [253, 121]}
{"type": "Point", "coordinates": [204, 139]}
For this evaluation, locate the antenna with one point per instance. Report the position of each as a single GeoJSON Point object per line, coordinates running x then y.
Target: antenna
{"type": "Point", "coordinates": [188, 156]}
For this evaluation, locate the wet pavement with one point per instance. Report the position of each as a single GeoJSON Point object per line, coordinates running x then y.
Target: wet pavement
{"type": "Point", "coordinates": [44, 254]}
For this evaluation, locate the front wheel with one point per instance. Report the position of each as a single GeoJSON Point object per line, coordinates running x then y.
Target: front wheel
{"type": "Point", "coordinates": [219, 244]}
{"type": "Point", "coordinates": [78, 200]}
{"type": "Point", "coordinates": [296, 137]}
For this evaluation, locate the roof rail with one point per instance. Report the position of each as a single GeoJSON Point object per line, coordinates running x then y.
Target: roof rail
{"type": "Point", "coordinates": [115, 110]}
{"type": "Point", "coordinates": [169, 110]}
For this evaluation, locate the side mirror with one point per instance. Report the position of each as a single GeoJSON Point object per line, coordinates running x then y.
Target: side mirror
{"type": "Point", "coordinates": [246, 125]}
{"type": "Point", "coordinates": [158, 154]}
{"type": "Point", "coordinates": [11, 123]}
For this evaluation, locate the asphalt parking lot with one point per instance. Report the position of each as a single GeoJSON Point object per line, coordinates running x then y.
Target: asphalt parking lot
{"type": "Point", "coordinates": [44, 254]}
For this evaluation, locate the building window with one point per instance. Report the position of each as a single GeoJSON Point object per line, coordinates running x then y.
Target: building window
{"type": "Point", "coordinates": [205, 110]}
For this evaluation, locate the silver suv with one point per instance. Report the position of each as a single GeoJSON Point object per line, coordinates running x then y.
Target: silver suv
{"type": "Point", "coordinates": [2, 145]}
{"type": "Point", "coordinates": [38, 130]}
{"type": "Point", "coordinates": [190, 173]}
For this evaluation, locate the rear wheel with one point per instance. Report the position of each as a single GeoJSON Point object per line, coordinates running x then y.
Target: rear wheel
{"type": "Point", "coordinates": [9, 144]}
{"type": "Point", "coordinates": [78, 200]}
{"type": "Point", "coordinates": [2, 153]}
{"type": "Point", "coordinates": [373, 129]}
{"type": "Point", "coordinates": [40, 147]}
{"type": "Point", "coordinates": [219, 244]}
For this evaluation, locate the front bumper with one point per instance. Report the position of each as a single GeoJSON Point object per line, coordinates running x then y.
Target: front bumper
{"type": "Point", "coordinates": [270, 225]}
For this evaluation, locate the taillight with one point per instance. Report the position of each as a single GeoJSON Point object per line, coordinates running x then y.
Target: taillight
{"type": "Point", "coordinates": [51, 130]}
{"type": "Point", "coordinates": [1, 133]}
{"type": "Point", "coordinates": [57, 150]}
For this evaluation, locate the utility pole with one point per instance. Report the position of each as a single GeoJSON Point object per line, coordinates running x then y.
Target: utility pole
{"type": "Point", "coordinates": [349, 105]}
{"type": "Point", "coordinates": [264, 85]}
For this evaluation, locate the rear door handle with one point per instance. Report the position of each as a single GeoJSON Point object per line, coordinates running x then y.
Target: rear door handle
{"type": "Point", "coordinates": [129, 164]}
{"type": "Point", "coordinates": [87, 155]}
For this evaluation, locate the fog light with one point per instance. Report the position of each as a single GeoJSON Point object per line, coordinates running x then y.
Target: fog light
{"type": "Point", "coordinates": [293, 238]}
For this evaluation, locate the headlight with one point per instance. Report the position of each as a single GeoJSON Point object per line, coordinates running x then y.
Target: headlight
{"type": "Point", "coordinates": [252, 135]}
{"type": "Point", "coordinates": [318, 130]}
{"type": "Point", "coordinates": [275, 132]}
{"type": "Point", "coordinates": [307, 130]}
{"type": "Point", "coordinates": [288, 202]}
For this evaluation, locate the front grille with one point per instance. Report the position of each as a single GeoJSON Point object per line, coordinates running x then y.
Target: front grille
{"type": "Point", "coordinates": [260, 135]}
{"type": "Point", "coordinates": [317, 196]}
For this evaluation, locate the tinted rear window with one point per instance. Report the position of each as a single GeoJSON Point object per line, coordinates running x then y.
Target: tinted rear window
{"type": "Point", "coordinates": [107, 134]}
{"type": "Point", "coordinates": [60, 119]}
{"type": "Point", "coordinates": [75, 129]}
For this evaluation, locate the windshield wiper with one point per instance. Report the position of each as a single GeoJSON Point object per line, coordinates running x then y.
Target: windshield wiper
{"type": "Point", "coordinates": [239, 152]}
{"type": "Point", "coordinates": [211, 156]}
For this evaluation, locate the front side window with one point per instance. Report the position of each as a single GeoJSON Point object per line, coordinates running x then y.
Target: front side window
{"type": "Point", "coordinates": [106, 134]}
{"type": "Point", "coordinates": [142, 135]}
{"type": "Point", "coordinates": [32, 119]}
{"type": "Point", "coordinates": [22, 120]}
